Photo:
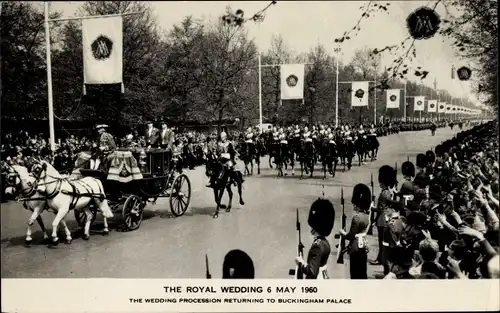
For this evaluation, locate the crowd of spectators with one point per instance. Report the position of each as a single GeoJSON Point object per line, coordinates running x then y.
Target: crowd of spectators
{"type": "Point", "coordinates": [451, 217]}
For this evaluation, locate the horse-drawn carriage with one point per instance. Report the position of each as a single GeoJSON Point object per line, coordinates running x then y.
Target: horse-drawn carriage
{"type": "Point", "coordinates": [133, 177]}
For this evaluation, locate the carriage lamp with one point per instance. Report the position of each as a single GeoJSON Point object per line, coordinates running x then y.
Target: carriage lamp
{"type": "Point", "coordinates": [142, 161]}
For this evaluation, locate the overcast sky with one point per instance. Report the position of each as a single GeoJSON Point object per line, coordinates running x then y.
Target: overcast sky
{"type": "Point", "coordinates": [303, 24]}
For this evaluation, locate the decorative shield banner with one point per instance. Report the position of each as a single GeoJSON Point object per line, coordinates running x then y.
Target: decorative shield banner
{"type": "Point", "coordinates": [419, 103]}
{"type": "Point", "coordinates": [292, 81]}
{"type": "Point", "coordinates": [432, 106]}
{"type": "Point", "coordinates": [393, 98]}
{"type": "Point", "coordinates": [441, 107]}
{"type": "Point", "coordinates": [102, 40]}
{"type": "Point", "coordinates": [359, 94]}
{"type": "Point", "coordinates": [448, 109]}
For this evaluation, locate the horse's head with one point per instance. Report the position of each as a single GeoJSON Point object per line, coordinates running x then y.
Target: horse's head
{"type": "Point", "coordinates": [15, 175]}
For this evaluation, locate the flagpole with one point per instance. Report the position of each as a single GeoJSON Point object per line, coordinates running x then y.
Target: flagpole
{"type": "Point", "coordinates": [404, 103]}
{"type": "Point", "coordinates": [49, 78]}
{"type": "Point", "coordinates": [337, 90]}
{"type": "Point", "coordinates": [260, 95]}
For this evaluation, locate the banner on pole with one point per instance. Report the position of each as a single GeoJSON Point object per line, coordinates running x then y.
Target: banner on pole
{"type": "Point", "coordinates": [359, 94]}
{"type": "Point", "coordinates": [432, 106]}
{"type": "Point", "coordinates": [419, 103]}
{"type": "Point", "coordinates": [393, 101]}
{"type": "Point", "coordinates": [448, 108]}
{"type": "Point", "coordinates": [441, 107]}
{"type": "Point", "coordinates": [102, 41]}
{"type": "Point", "coordinates": [292, 81]}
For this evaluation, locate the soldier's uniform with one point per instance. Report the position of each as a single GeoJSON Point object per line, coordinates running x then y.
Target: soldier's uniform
{"type": "Point", "coordinates": [358, 247]}
{"type": "Point", "coordinates": [321, 219]}
{"type": "Point", "coordinates": [385, 206]}
{"type": "Point", "coordinates": [407, 191]}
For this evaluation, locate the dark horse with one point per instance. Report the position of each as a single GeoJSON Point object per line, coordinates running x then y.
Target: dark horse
{"type": "Point", "coordinates": [329, 156]}
{"type": "Point", "coordinates": [248, 153]}
{"type": "Point", "coordinates": [307, 158]}
{"type": "Point", "coordinates": [222, 178]}
{"type": "Point", "coordinates": [361, 151]}
{"type": "Point", "coordinates": [372, 146]}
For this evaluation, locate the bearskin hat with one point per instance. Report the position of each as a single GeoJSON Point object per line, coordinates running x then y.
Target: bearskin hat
{"type": "Point", "coordinates": [387, 176]}
{"type": "Point", "coordinates": [438, 150]}
{"type": "Point", "coordinates": [361, 196]}
{"type": "Point", "coordinates": [322, 217]}
{"type": "Point", "coordinates": [408, 169]}
{"type": "Point", "coordinates": [421, 160]}
{"type": "Point", "coordinates": [431, 157]}
{"type": "Point", "coordinates": [238, 265]}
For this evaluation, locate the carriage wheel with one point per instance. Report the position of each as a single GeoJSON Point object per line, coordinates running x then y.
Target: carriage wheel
{"type": "Point", "coordinates": [132, 212]}
{"type": "Point", "coordinates": [81, 217]}
{"type": "Point", "coordinates": [180, 195]}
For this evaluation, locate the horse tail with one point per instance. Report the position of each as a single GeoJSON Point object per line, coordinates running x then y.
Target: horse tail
{"type": "Point", "coordinates": [103, 203]}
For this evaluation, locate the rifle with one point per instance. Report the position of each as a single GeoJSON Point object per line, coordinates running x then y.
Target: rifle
{"type": "Point", "coordinates": [207, 274]}
{"type": "Point", "coordinates": [341, 247]}
{"type": "Point", "coordinates": [372, 214]}
{"type": "Point", "coordinates": [297, 272]}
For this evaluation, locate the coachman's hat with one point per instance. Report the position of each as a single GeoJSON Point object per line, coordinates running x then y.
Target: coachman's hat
{"type": "Point", "coordinates": [408, 169]}
{"type": "Point", "coordinates": [387, 176]}
{"type": "Point", "coordinates": [361, 197]}
{"type": "Point", "coordinates": [238, 265]}
{"type": "Point", "coordinates": [100, 126]}
{"type": "Point", "coordinates": [421, 160]}
{"type": "Point", "coordinates": [322, 217]}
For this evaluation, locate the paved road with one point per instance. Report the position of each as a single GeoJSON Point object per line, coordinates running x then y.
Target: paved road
{"type": "Point", "coordinates": [167, 247]}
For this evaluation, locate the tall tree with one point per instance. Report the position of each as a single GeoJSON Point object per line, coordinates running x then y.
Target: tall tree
{"type": "Point", "coordinates": [23, 75]}
{"type": "Point", "coordinates": [227, 56]}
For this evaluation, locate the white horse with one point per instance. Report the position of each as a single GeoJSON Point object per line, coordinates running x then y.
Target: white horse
{"type": "Point", "coordinates": [66, 194]}
{"type": "Point", "coordinates": [20, 182]}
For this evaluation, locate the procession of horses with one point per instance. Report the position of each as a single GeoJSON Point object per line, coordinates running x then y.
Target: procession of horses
{"type": "Point", "coordinates": [133, 177]}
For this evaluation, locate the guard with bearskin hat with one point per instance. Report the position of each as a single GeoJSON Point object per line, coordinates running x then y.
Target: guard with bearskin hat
{"type": "Point", "coordinates": [407, 191]}
{"type": "Point", "coordinates": [238, 265]}
{"type": "Point", "coordinates": [358, 247]}
{"type": "Point", "coordinates": [385, 206]}
{"type": "Point", "coordinates": [321, 220]}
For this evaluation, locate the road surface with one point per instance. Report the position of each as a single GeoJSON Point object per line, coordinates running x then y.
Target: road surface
{"type": "Point", "coordinates": [167, 247]}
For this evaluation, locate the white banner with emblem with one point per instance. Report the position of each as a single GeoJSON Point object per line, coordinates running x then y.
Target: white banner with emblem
{"type": "Point", "coordinates": [292, 81]}
{"type": "Point", "coordinates": [432, 106]}
{"type": "Point", "coordinates": [419, 103]}
{"type": "Point", "coordinates": [359, 94]}
{"type": "Point", "coordinates": [448, 108]}
{"type": "Point", "coordinates": [102, 50]}
{"type": "Point", "coordinates": [441, 107]}
{"type": "Point", "coordinates": [393, 98]}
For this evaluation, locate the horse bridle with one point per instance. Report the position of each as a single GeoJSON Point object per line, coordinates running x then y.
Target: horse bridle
{"type": "Point", "coordinates": [26, 194]}
{"type": "Point", "coordinates": [38, 177]}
